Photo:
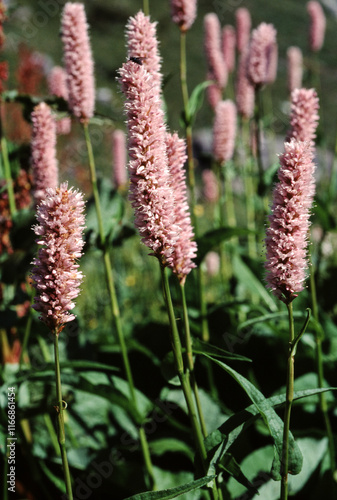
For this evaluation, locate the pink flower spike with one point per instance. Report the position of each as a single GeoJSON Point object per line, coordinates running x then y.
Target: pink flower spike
{"type": "Point", "coordinates": [295, 68]}
{"type": "Point", "coordinates": [287, 235]}
{"type": "Point", "coordinates": [317, 25]}
{"type": "Point", "coordinates": [57, 85]}
{"type": "Point", "coordinates": [185, 249]}
{"type": "Point", "coordinates": [272, 66]}
{"type": "Point", "coordinates": [224, 131]}
{"type": "Point", "coordinates": [261, 53]}
{"type": "Point", "coordinates": [228, 47]}
{"type": "Point", "coordinates": [78, 61]}
{"type": "Point", "coordinates": [210, 185]}
{"type": "Point", "coordinates": [245, 94]}
{"type": "Point", "coordinates": [43, 151]}
{"type": "Point", "coordinates": [143, 44]}
{"type": "Point", "coordinates": [304, 115]}
{"type": "Point", "coordinates": [150, 192]}
{"type": "Point", "coordinates": [119, 158]}
{"type": "Point", "coordinates": [55, 275]}
{"type": "Point", "coordinates": [215, 61]}
{"type": "Point", "coordinates": [243, 25]}
{"type": "Point", "coordinates": [183, 13]}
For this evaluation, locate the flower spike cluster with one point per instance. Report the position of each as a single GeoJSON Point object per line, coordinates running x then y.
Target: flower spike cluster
{"type": "Point", "coordinates": [295, 68]}
{"type": "Point", "coordinates": [78, 61]}
{"type": "Point", "coordinates": [183, 13]}
{"type": "Point", "coordinates": [245, 94]}
{"type": "Point", "coordinates": [143, 44]}
{"type": "Point", "coordinates": [56, 276]}
{"type": "Point", "coordinates": [317, 25]}
{"type": "Point", "coordinates": [185, 248]}
{"type": "Point", "coordinates": [287, 236]}
{"type": "Point", "coordinates": [43, 151]}
{"type": "Point", "coordinates": [262, 51]}
{"type": "Point", "coordinates": [224, 130]}
{"type": "Point", "coordinates": [304, 115]}
{"type": "Point", "coordinates": [243, 25]}
{"type": "Point", "coordinates": [57, 85]}
{"type": "Point", "coordinates": [150, 192]}
{"type": "Point", "coordinates": [215, 61]}
{"type": "Point", "coordinates": [119, 158]}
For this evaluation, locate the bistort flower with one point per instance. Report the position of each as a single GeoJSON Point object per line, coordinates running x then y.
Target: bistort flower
{"type": "Point", "coordinates": [317, 25]}
{"type": "Point", "coordinates": [185, 249]}
{"type": "Point", "coordinates": [43, 151]}
{"type": "Point", "coordinates": [287, 235]}
{"type": "Point", "coordinates": [261, 54]}
{"type": "Point", "coordinates": [224, 130]}
{"type": "Point", "coordinates": [295, 68]}
{"type": "Point", "coordinates": [143, 44]}
{"type": "Point", "coordinates": [245, 94]}
{"type": "Point", "coordinates": [212, 42]}
{"type": "Point", "coordinates": [150, 192]}
{"type": "Point", "coordinates": [57, 85]}
{"type": "Point", "coordinates": [78, 61]}
{"type": "Point", "coordinates": [183, 13]}
{"type": "Point", "coordinates": [243, 25]}
{"type": "Point", "coordinates": [304, 115]}
{"type": "Point", "coordinates": [55, 274]}
{"type": "Point", "coordinates": [119, 158]}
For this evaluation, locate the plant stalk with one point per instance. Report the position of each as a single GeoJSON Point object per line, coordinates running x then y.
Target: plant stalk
{"type": "Point", "coordinates": [60, 420]}
{"type": "Point", "coordinates": [115, 307]}
{"type": "Point", "coordinates": [190, 361]}
{"type": "Point", "coordinates": [288, 405]}
{"type": "Point", "coordinates": [184, 378]}
{"type": "Point", "coordinates": [8, 176]}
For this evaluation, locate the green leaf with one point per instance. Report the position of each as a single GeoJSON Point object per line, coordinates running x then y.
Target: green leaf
{"type": "Point", "coordinates": [230, 465]}
{"type": "Point", "coordinates": [173, 492]}
{"type": "Point", "coordinates": [170, 445]}
{"type": "Point", "coordinates": [212, 238]}
{"type": "Point", "coordinates": [201, 347]}
{"type": "Point", "coordinates": [219, 441]}
{"type": "Point", "coordinates": [271, 419]}
{"type": "Point", "coordinates": [196, 99]}
{"type": "Point", "coordinates": [250, 281]}
{"type": "Point", "coordinates": [169, 370]}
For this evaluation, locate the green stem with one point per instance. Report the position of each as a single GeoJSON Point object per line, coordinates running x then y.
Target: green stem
{"type": "Point", "coordinates": [288, 405]}
{"type": "Point", "coordinates": [114, 306]}
{"type": "Point", "coordinates": [146, 8]}
{"type": "Point", "coordinates": [249, 191]}
{"type": "Point", "coordinates": [191, 179]}
{"type": "Point", "coordinates": [60, 419]}
{"type": "Point", "coordinates": [8, 176]}
{"type": "Point", "coordinates": [190, 361]}
{"type": "Point", "coordinates": [184, 378]}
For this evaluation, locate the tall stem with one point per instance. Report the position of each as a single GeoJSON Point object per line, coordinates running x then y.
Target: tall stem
{"type": "Point", "coordinates": [60, 420]}
{"type": "Point", "coordinates": [146, 8]}
{"type": "Point", "coordinates": [191, 179]}
{"type": "Point", "coordinates": [190, 361]}
{"type": "Point", "coordinates": [8, 176]}
{"type": "Point", "coordinates": [183, 377]}
{"type": "Point", "coordinates": [288, 405]}
{"type": "Point", "coordinates": [115, 307]}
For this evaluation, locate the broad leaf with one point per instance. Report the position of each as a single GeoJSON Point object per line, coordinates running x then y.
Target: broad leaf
{"type": "Point", "coordinates": [271, 419]}
{"type": "Point", "coordinates": [201, 347]}
{"type": "Point", "coordinates": [173, 492]}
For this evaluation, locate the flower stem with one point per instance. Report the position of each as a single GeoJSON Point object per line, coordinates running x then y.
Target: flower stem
{"type": "Point", "coordinates": [60, 420]}
{"type": "Point", "coordinates": [146, 8]}
{"type": "Point", "coordinates": [184, 377]}
{"type": "Point", "coordinates": [8, 176]}
{"type": "Point", "coordinates": [191, 179]}
{"type": "Point", "coordinates": [115, 307]}
{"type": "Point", "coordinates": [190, 361]}
{"type": "Point", "coordinates": [289, 400]}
